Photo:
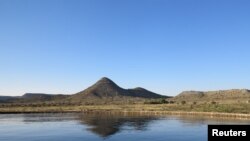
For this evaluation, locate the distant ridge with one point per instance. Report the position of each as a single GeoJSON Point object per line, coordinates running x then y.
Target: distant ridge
{"type": "Point", "coordinates": [32, 97]}
{"type": "Point", "coordinates": [221, 95]}
{"type": "Point", "coordinates": [42, 97]}
{"type": "Point", "coordinates": [4, 99]}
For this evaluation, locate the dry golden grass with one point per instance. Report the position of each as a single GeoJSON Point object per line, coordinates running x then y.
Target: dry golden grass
{"type": "Point", "coordinates": [216, 110]}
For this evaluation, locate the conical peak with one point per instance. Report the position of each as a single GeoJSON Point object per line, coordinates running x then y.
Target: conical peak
{"type": "Point", "coordinates": [139, 88]}
{"type": "Point", "coordinates": [105, 80]}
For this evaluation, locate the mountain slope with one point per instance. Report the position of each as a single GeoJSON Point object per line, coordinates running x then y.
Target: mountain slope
{"type": "Point", "coordinates": [141, 92]}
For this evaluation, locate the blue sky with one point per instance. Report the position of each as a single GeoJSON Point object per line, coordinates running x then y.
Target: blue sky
{"type": "Point", "coordinates": [167, 46]}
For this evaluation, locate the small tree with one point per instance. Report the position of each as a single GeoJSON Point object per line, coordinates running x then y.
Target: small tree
{"type": "Point", "coordinates": [171, 102]}
{"type": "Point", "coordinates": [183, 102]}
{"type": "Point", "coordinates": [163, 101]}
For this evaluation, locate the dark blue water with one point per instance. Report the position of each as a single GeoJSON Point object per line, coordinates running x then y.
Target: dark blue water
{"type": "Point", "coordinates": [109, 127]}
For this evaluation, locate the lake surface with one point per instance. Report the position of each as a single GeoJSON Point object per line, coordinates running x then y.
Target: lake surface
{"type": "Point", "coordinates": [109, 127]}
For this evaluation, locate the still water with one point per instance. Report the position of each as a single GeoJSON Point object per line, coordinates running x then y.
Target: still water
{"type": "Point", "coordinates": [108, 127]}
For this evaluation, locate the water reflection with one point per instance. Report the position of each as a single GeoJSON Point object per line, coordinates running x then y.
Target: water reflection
{"type": "Point", "coordinates": [203, 120]}
{"type": "Point", "coordinates": [105, 125]}
{"type": "Point", "coordinates": [49, 117]}
{"type": "Point", "coordinates": [101, 124]}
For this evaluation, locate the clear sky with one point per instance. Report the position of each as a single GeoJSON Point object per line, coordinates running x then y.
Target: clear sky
{"type": "Point", "coordinates": [167, 46]}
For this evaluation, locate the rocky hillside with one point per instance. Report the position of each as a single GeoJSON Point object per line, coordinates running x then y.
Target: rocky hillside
{"type": "Point", "coordinates": [234, 95]}
{"type": "Point", "coordinates": [106, 88]}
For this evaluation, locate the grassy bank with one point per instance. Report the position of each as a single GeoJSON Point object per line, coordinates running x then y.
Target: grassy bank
{"type": "Point", "coordinates": [224, 110]}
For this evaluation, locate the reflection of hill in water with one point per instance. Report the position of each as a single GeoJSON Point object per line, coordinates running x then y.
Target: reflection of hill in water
{"type": "Point", "coordinates": [203, 120]}
{"type": "Point", "coordinates": [106, 125]}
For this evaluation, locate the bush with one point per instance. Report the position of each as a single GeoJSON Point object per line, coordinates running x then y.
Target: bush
{"type": "Point", "coordinates": [164, 101]}
{"type": "Point", "coordinates": [171, 102]}
{"type": "Point", "coordinates": [158, 101]}
{"type": "Point", "coordinates": [183, 102]}
{"type": "Point", "coordinates": [213, 102]}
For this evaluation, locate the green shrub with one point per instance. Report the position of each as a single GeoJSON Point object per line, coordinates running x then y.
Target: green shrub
{"type": "Point", "coordinates": [158, 101]}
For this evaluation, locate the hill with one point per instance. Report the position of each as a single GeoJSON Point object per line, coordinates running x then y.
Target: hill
{"type": "Point", "coordinates": [6, 99]}
{"type": "Point", "coordinates": [225, 96]}
{"type": "Point", "coordinates": [32, 97]}
{"type": "Point", "coordinates": [40, 97]}
{"type": "Point", "coordinates": [107, 89]}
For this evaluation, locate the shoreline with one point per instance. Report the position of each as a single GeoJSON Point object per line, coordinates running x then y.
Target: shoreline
{"type": "Point", "coordinates": [239, 116]}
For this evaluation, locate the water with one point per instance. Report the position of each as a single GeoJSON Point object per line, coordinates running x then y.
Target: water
{"type": "Point", "coordinates": [109, 127]}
